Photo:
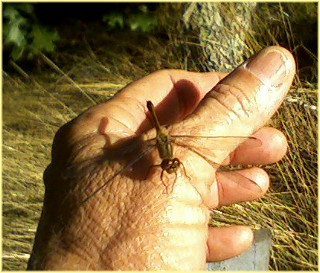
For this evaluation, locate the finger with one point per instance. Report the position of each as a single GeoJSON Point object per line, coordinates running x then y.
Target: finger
{"type": "Point", "coordinates": [246, 99]}
{"type": "Point", "coordinates": [227, 242]}
{"type": "Point", "coordinates": [273, 148]}
{"type": "Point", "coordinates": [241, 185]}
{"type": "Point", "coordinates": [178, 90]}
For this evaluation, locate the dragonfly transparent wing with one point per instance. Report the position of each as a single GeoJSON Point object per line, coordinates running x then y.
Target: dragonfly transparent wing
{"type": "Point", "coordinates": [122, 161]}
{"type": "Point", "coordinates": [218, 142]}
{"type": "Point", "coordinates": [205, 146]}
{"type": "Point", "coordinates": [208, 146]}
{"type": "Point", "coordinates": [146, 150]}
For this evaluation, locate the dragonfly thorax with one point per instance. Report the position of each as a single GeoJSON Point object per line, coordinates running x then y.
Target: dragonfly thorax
{"type": "Point", "coordinates": [164, 145]}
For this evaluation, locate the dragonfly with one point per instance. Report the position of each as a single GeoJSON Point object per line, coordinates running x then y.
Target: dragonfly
{"type": "Point", "coordinates": [163, 142]}
{"type": "Point", "coordinates": [169, 163]}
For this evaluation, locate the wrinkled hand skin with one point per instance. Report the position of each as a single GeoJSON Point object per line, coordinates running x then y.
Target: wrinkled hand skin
{"type": "Point", "coordinates": [134, 222]}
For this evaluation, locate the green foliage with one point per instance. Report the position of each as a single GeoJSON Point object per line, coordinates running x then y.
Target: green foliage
{"type": "Point", "coordinates": [114, 20]}
{"type": "Point", "coordinates": [140, 19]}
{"type": "Point", "coordinates": [23, 36]}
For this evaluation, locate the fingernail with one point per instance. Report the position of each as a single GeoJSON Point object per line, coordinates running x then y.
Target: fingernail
{"type": "Point", "coordinates": [271, 66]}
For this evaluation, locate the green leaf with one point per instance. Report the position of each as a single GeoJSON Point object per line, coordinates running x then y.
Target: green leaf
{"type": "Point", "coordinates": [23, 35]}
{"type": "Point", "coordinates": [143, 22]}
{"type": "Point", "coordinates": [10, 13]}
{"type": "Point", "coordinates": [43, 39]}
{"type": "Point", "coordinates": [15, 35]}
{"type": "Point", "coordinates": [114, 20]}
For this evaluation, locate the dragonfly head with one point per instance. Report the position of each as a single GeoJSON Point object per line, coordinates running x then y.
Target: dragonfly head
{"type": "Point", "coordinates": [170, 165]}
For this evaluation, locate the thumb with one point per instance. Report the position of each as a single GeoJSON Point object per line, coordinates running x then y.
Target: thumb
{"type": "Point", "coordinates": [243, 101]}
{"type": "Point", "coordinates": [238, 105]}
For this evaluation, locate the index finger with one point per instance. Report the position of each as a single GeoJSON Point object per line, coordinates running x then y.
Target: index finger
{"type": "Point", "coordinates": [178, 90]}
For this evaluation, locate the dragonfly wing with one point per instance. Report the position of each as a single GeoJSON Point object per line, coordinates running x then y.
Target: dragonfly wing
{"type": "Point", "coordinates": [213, 148]}
{"type": "Point", "coordinates": [216, 142]}
{"type": "Point", "coordinates": [120, 163]}
{"type": "Point", "coordinates": [125, 168]}
{"type": "Point", "coordinates": [87, 166]}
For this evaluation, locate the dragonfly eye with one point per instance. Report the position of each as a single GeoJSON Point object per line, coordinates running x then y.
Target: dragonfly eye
{"type": "Point", "coordinates": [176, 162]}
{"type": "Point", "coordinates": [172, 169]}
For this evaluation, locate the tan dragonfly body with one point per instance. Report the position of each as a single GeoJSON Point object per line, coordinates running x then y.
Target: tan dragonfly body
{"type": "Point", "coordinates": [169, 163]}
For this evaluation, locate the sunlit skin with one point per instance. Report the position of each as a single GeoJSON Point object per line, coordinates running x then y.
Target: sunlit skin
{"type": "Point", "coordinates": [132, 223]}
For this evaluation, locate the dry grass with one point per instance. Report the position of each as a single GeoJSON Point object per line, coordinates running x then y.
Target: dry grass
{"type": "Point", "coordinates": [37, 104]}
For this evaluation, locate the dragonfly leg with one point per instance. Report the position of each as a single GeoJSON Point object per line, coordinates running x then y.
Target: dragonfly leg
{"type": "Point", "coordinates": [168, 185]}
{"type": "Point", "coordinates": [174, 182]}
{"type": "Point", "coordinates": [161, 176]}
{"type": "Point", "coordinates": [185, 172]}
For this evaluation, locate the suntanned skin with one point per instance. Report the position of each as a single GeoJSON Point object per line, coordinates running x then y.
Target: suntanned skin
{"type": "Point", "coordinates": [132, 222]}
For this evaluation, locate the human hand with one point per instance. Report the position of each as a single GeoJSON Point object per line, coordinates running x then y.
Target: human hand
{"type": "Point", "coordinates": [132, 222]}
